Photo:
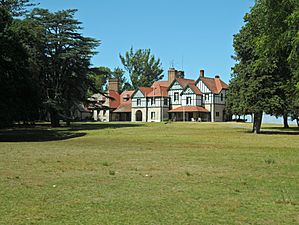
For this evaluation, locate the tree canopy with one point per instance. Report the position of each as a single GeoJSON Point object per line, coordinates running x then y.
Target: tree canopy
{"type": "Point", "coordinates": [142, 66]}
{"type": "Point", "coordinates": [44, 63]}
{"type": "Point", "coordinates": [64, 60]}
{"type": "Point", "coordinates": [264, 77]}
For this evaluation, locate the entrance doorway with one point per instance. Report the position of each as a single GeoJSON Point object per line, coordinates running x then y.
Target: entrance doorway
{"type": "Point", "coordinates": [139, 115]}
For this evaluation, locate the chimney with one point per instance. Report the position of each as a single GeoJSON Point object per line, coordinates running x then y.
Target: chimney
{"type": "Point", "coordinates": [113, 85]}
{"type": "Point", "coordinates": [171, 75]}
{"type": "Point", "coordinates": [202, 73]}
{"type": "Point", "coordinates": [217, 76]}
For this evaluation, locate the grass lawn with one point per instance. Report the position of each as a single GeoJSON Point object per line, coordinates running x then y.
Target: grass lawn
{"type": "Point", "coordinates": [178, 173]}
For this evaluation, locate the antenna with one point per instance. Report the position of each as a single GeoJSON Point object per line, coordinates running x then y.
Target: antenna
{"type": "Point", "coordinates": [172, 63]}
{"type": "Point", "coordinates": [182, 63]}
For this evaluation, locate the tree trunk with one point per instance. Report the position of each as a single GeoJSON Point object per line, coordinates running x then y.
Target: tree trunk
{"type": "Point", "coordinates": [297, 122]}
{"type": "Point", "coordinates": [257, 122]}
{"type": "Point", "coordinates": [54, 119]}
{"type": "Point", "coordinates": [285, 121]}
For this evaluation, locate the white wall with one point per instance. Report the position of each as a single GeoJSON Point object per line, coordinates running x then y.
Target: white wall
{"type": "Point", "coordinates": [176, 87]}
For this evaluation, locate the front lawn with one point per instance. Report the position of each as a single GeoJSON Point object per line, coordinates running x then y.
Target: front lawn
{"type": "Point", "coordinates": [125, 173]}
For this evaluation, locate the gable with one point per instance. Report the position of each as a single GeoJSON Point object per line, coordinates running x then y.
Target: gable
{"type": "Point", "coordinates": [188, 91]}
{"type": "Point", "coordinates": [203, 87]}
{"type": "Point", "coordinates": [138, 94]}
{"type": "Point", "coordinates": [175, 86]}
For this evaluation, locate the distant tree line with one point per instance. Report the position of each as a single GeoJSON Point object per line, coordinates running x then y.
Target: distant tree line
{"type": "Point", "coordinates": [265, 78]}
{"type": "Point", "coordinates": [45, 64]}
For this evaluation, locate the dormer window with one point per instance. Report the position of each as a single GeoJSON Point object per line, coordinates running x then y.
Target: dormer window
{"type": "Point", "coordinates": [126, 98]}
{"type": "Point", "coordinates": [221, 96]}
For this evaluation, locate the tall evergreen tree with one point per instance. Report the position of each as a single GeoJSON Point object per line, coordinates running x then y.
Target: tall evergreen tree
{"type": "Point", "coordinates": [19, 96]}
{"type": "Point", "coordinates": [64, 61]}
{"type": "Point", "coordinates": [143, 68]}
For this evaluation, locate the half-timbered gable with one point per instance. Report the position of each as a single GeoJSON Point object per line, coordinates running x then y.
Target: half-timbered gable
{"type": "Point", "coordinates": [174, 92]}
{"type": "Point", "coordinates": [138, 100]}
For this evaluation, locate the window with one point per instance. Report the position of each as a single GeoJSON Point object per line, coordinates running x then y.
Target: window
{"type": "Point", "coordinates": [188, 101]}
{"type": "Point", "coordinates": [138, 101]}
{"type": "Point", "coordinates": [176, 96]}
{"type": "Point", "coordinates": [217, 114]}
{"type": "Point", "coordinates": [104, 112]}
{"type": "Point", "coordinates": [153, 101]}
{"type": "Point", "coordinates": [221, 97]}
{"type": "Point", "coordinates": [153, 115]}
{"type": "Point", "coordinates": [165, 101]}
{"type": "Point", "coordinates": [207, 97]}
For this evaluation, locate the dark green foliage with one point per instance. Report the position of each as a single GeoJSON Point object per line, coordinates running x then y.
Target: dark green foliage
{"type": "Point", "coordinates": [100, 76]}
{"type": "Point", "coordinates": [19, 96]}
{"type": "Point", "coordinates": [264, 78]}
{"type": "Point", "coordinates": [123, 82]}
{"type": "Point", "coordinates": [16, 7]}
{"type": "Point", "coordinates": [63, 58]}
{"type": "Point", "coordinates": [143, 68]}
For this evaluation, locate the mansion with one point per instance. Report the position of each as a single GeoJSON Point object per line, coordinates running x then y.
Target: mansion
{"type": "Point", "coordinates": [176, 99]}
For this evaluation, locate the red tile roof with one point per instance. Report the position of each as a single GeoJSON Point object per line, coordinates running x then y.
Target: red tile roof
{"type": "Point", "coordinates": [126, 96]}
{"type": "Point", "coordinates": [115, 101]}
{"type": "Point", "coordinates": [154, 91]}
{"type": "Point", "coordinates": [145, 90]}
{"type": "Point", "coordinates": [125, 107]}
{"type": "Point", "coordinates": [163, 83]}
{"type": "Point", "coordinates": [184, 82]}
{"type": "Point", "coordinates": [216, 85]}
{"type": "Point", "coordinates": [189, 109]}
{"type": "Point", "coordinates": [158, 91]}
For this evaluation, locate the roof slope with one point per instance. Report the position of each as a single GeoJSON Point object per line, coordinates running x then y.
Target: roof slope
{"type": "Point", "coordinates": [194, 88]}
{"type": "Point", "coordinates": [163, 83]}
{"type": "Point", "coordinates": [189, 109]}
{"type": "Point", "coordinates": [216, 85]}
{"type": "Point", "coordinates": [115, 101]}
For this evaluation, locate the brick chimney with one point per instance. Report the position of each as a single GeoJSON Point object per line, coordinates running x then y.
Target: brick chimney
{"type": "Point", "coordinates": [171, 75]}
{"type": "Point", "coordinates": [113, 85]}
{"type": "Point", "coordinates": [202, 73]}
{"type": "Point", "coordinates": [217, 76]}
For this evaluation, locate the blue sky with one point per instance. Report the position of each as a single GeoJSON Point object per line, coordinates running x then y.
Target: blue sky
{"type": "Point", "coordinates": [191, 34]}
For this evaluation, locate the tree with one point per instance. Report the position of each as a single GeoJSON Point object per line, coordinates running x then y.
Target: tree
{"type": "Point", "coordinates": [143, 68]}
{"type": "Point", "coordinates": [19, 96]}
{"type": "Point", "coordinates": [64, 60]}
{"type": "Point", "coordinates": [99, 77]}
{"type": "Point", "coordinates": [119, 74]}
{"type": "Point", "coordinates": [16, 7]}
{"type": "Point", "coordinates": [262, 73]}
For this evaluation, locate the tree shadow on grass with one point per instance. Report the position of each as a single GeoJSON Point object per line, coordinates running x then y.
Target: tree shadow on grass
{"type": "Point", "coordinates": [279, 131]}
{"type": "Point", "coordinates": [36, 135]}
{"type": "Point", "coordinates": [90, 126]}
{"type": "Point", "coordinates": [41, 133]}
